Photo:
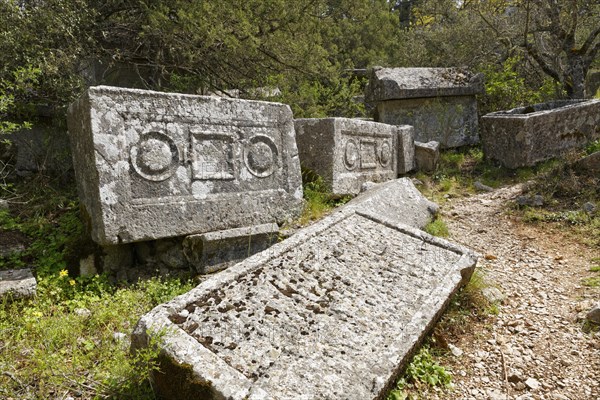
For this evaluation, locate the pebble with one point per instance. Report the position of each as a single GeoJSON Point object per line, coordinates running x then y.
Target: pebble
{"type": "Point", "coordinates": [532, 383]}
{"type": "Point", "coordinates": [456, 352]}
{"type": "Point", "coordinates": [594, 314]}
{"type": "Point", "coordinates": [83, 312]}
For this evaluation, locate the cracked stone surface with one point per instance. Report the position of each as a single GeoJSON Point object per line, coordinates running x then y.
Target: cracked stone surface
{"type": "Point", "coordinates": [332, 312]}
{"type": "Point", "coordinates": [153, 165]}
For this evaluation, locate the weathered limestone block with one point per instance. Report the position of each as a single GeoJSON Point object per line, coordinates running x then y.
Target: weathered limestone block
{"type": "Point", "coordinates": [335, 311]}
{"type": "Point", "coordinates": [406, 149]}
{"type": "Point", "coordinates": [439, 102]}
{"type": "Point", "coordinates": [17, 283]}
{"type": "Point", "coordinates": [152, 165]}
{"type": "Point", "coordinates": [527, 135]}
{"type": "Point", "coordinates": [348, 152]}
{"type": "Point", "coordinates": [427, 156]}
{"type": "Point", "coordinates": [589, 164]}
{"type": "Point", "coordinates": [399, 200]}
{"type": "Point", "coordinates": [214, 251]}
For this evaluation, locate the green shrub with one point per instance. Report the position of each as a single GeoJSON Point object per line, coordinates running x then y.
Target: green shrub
{"type": "Point", "coordinates": [437, 227]}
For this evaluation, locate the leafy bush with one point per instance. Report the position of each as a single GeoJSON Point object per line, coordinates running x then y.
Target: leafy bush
{"type": "Point", "coordinates": [437, 227]}
{"type": "Point", "coordinates": [505, 88]}
{"type": "Point", "coordinates": [422, 370]}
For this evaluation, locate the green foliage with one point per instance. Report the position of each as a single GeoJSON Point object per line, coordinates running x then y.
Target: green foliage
{"type": "Point", "coordinates": [505, 88]}
{"type": "Point", "coordinates": [53, 225]}
{"type": "Point", "coordinates": [422, 370]}
{"type": "Point", "coordinates": [592, 147]}
{"type": "Point", "coordinates": [315, 99]}
{"type": "Point", "coordinates": [437, 227]}
{"type": "Point", "coordinates": [52, 344]}
{"type": "Point", "coordinates": [318, 198]}
{"type": "Point", "coordinates": [20, 81]}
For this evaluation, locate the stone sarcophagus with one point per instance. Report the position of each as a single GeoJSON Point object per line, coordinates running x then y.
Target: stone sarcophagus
{"type": "Point", "coordinates": [349, 152]}
{"type": "Point", "coordinates": [439, 102]}
{"type": "Point", "coordinates": [333, 312]}
{"type": "Point", "coordinates": [527, 135]}
{"type": "Point", "coordinates": [152, 165]}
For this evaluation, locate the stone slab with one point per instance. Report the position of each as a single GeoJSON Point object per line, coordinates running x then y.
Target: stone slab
{"type": "Point", "coordinates": [151, 165]}
{"type": "Point", "coordinates": [451, 121]}
{"type": "Point", "coordinates": [589, 164]}
{"type": "Point", "coordinates": [427, 155]}
{"type": "Point", "coordinates": [406, 149]}
{"type": "Point", "coordinates": [399, 200]}
{"type": "Point", "coordinates": [214, 251]}
{"type": "Point", "coordinates": [17, 283]}
{"type": "Point", "coordinates": [410, 83]}
{"type": "Point", "coordinates": [348, 152]}
{"type": "Point", "coordinates": [335, 311]}
{"type": "Point", "coordinates": [527, 135]}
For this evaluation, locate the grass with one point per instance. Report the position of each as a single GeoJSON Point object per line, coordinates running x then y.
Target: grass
{"type": "Point", "coordinates": [437, 227]}
{"type": "Point", "coordinates": [593, 281]}
{"type": "Point", "coordinates": [563, 188]}
{"type": "Point", "coordinates": [67, 341]}
{"type": "Point", "coordinates": [459, 169]}
{"type": "Point", "coordinates": [565, 191]}
{"type": "Point", "coordinates": [319, 200]}
{"type": "Point", "coordinates": [426, 370]}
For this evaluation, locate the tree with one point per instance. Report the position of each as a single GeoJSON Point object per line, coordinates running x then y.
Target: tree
{"type": "Point", "coordinates": [563, 39]}
{"type": "Point", "coordinates": [559, 38]}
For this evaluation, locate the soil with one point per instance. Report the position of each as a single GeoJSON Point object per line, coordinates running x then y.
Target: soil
{"type": "Point", "coordinates": [538, 346]}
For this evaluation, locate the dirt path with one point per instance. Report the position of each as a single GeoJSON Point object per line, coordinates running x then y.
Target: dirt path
{"type": "Point", "coordinates": [535, 348]}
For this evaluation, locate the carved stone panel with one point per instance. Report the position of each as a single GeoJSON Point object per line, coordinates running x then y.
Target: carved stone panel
{"type": "Point", "coordinates": [151, 165]}
{"type": "Point", "coordinates": [349, 152]}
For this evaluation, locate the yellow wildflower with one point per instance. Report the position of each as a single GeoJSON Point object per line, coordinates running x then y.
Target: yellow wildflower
{"type": "Point", "coordinates": [72, 282]}
{"type": "Point", "coordinates": [63, 273]}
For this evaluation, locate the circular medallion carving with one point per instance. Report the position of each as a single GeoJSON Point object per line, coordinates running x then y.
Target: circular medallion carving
{"type": "Point", "coordinates": [261, 156]}
{"type": "Point", "coordinates": [385, 154]}
{"type": "Point", "coordinates": [155, 156]}
{"type": "Point", "coordinates": [351, 155]}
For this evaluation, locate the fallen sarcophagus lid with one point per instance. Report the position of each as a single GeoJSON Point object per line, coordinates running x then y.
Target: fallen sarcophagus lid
{"type": "Point", "coordinates": [333, 312]}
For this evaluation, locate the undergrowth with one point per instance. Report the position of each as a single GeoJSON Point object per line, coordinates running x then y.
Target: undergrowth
{"type": "Point", "coordinates": [71, 339]}
{"type": "Point", "coordinates": [437, 227]}
{"type": "Point", "coordinates": [460, 169]}
{"type": "Point", "coordinates": [563, 187]}
{"type": "Point", "coordinates": [571, 201]}
{"type": "Point", "coordinates": [426, 372]}
{"type": "Point", "coordinates": [318, 198]}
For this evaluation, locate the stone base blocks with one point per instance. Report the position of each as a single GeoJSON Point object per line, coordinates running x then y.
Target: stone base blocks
{"type": "Point", "coordinates": [333, 312]}
{"type": "Point", "coordinates": [439, 102]}
{"type": "Point", "coordinates": [527, 135]}
{"type": "Point", "coordinates": [349, 152]}
{"type": "Point", "coordinates": [153, 165]}
{"type": "Point", "coordinates": [17, 284]}
{"type": "Point", "coordinates": [427, 156]}
{"type": "Point", "coordinates": [213, 251]}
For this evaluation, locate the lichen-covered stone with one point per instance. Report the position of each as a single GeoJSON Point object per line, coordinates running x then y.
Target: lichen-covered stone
{"type": "Point", "coordinates": [427, 156]}
{"type": "Point", "coordinates": [349, 152]}
{"type": "Point", "coordinates": [439, 102]}
{"type": "Point", "coordinates": [214, 251]}
{"type": "Point", "coordinates": [151, 165]}
{"type": "Point", "coordinates": [332, 312]}
{"type": "Point", "coordinates": [527, 135]}
{"type": "Point", "coordinates": [398, 200]}
{"type": "Point", "coordinates": [17, 284]}
{"type": "Point", "coordinates": [411, 83]}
